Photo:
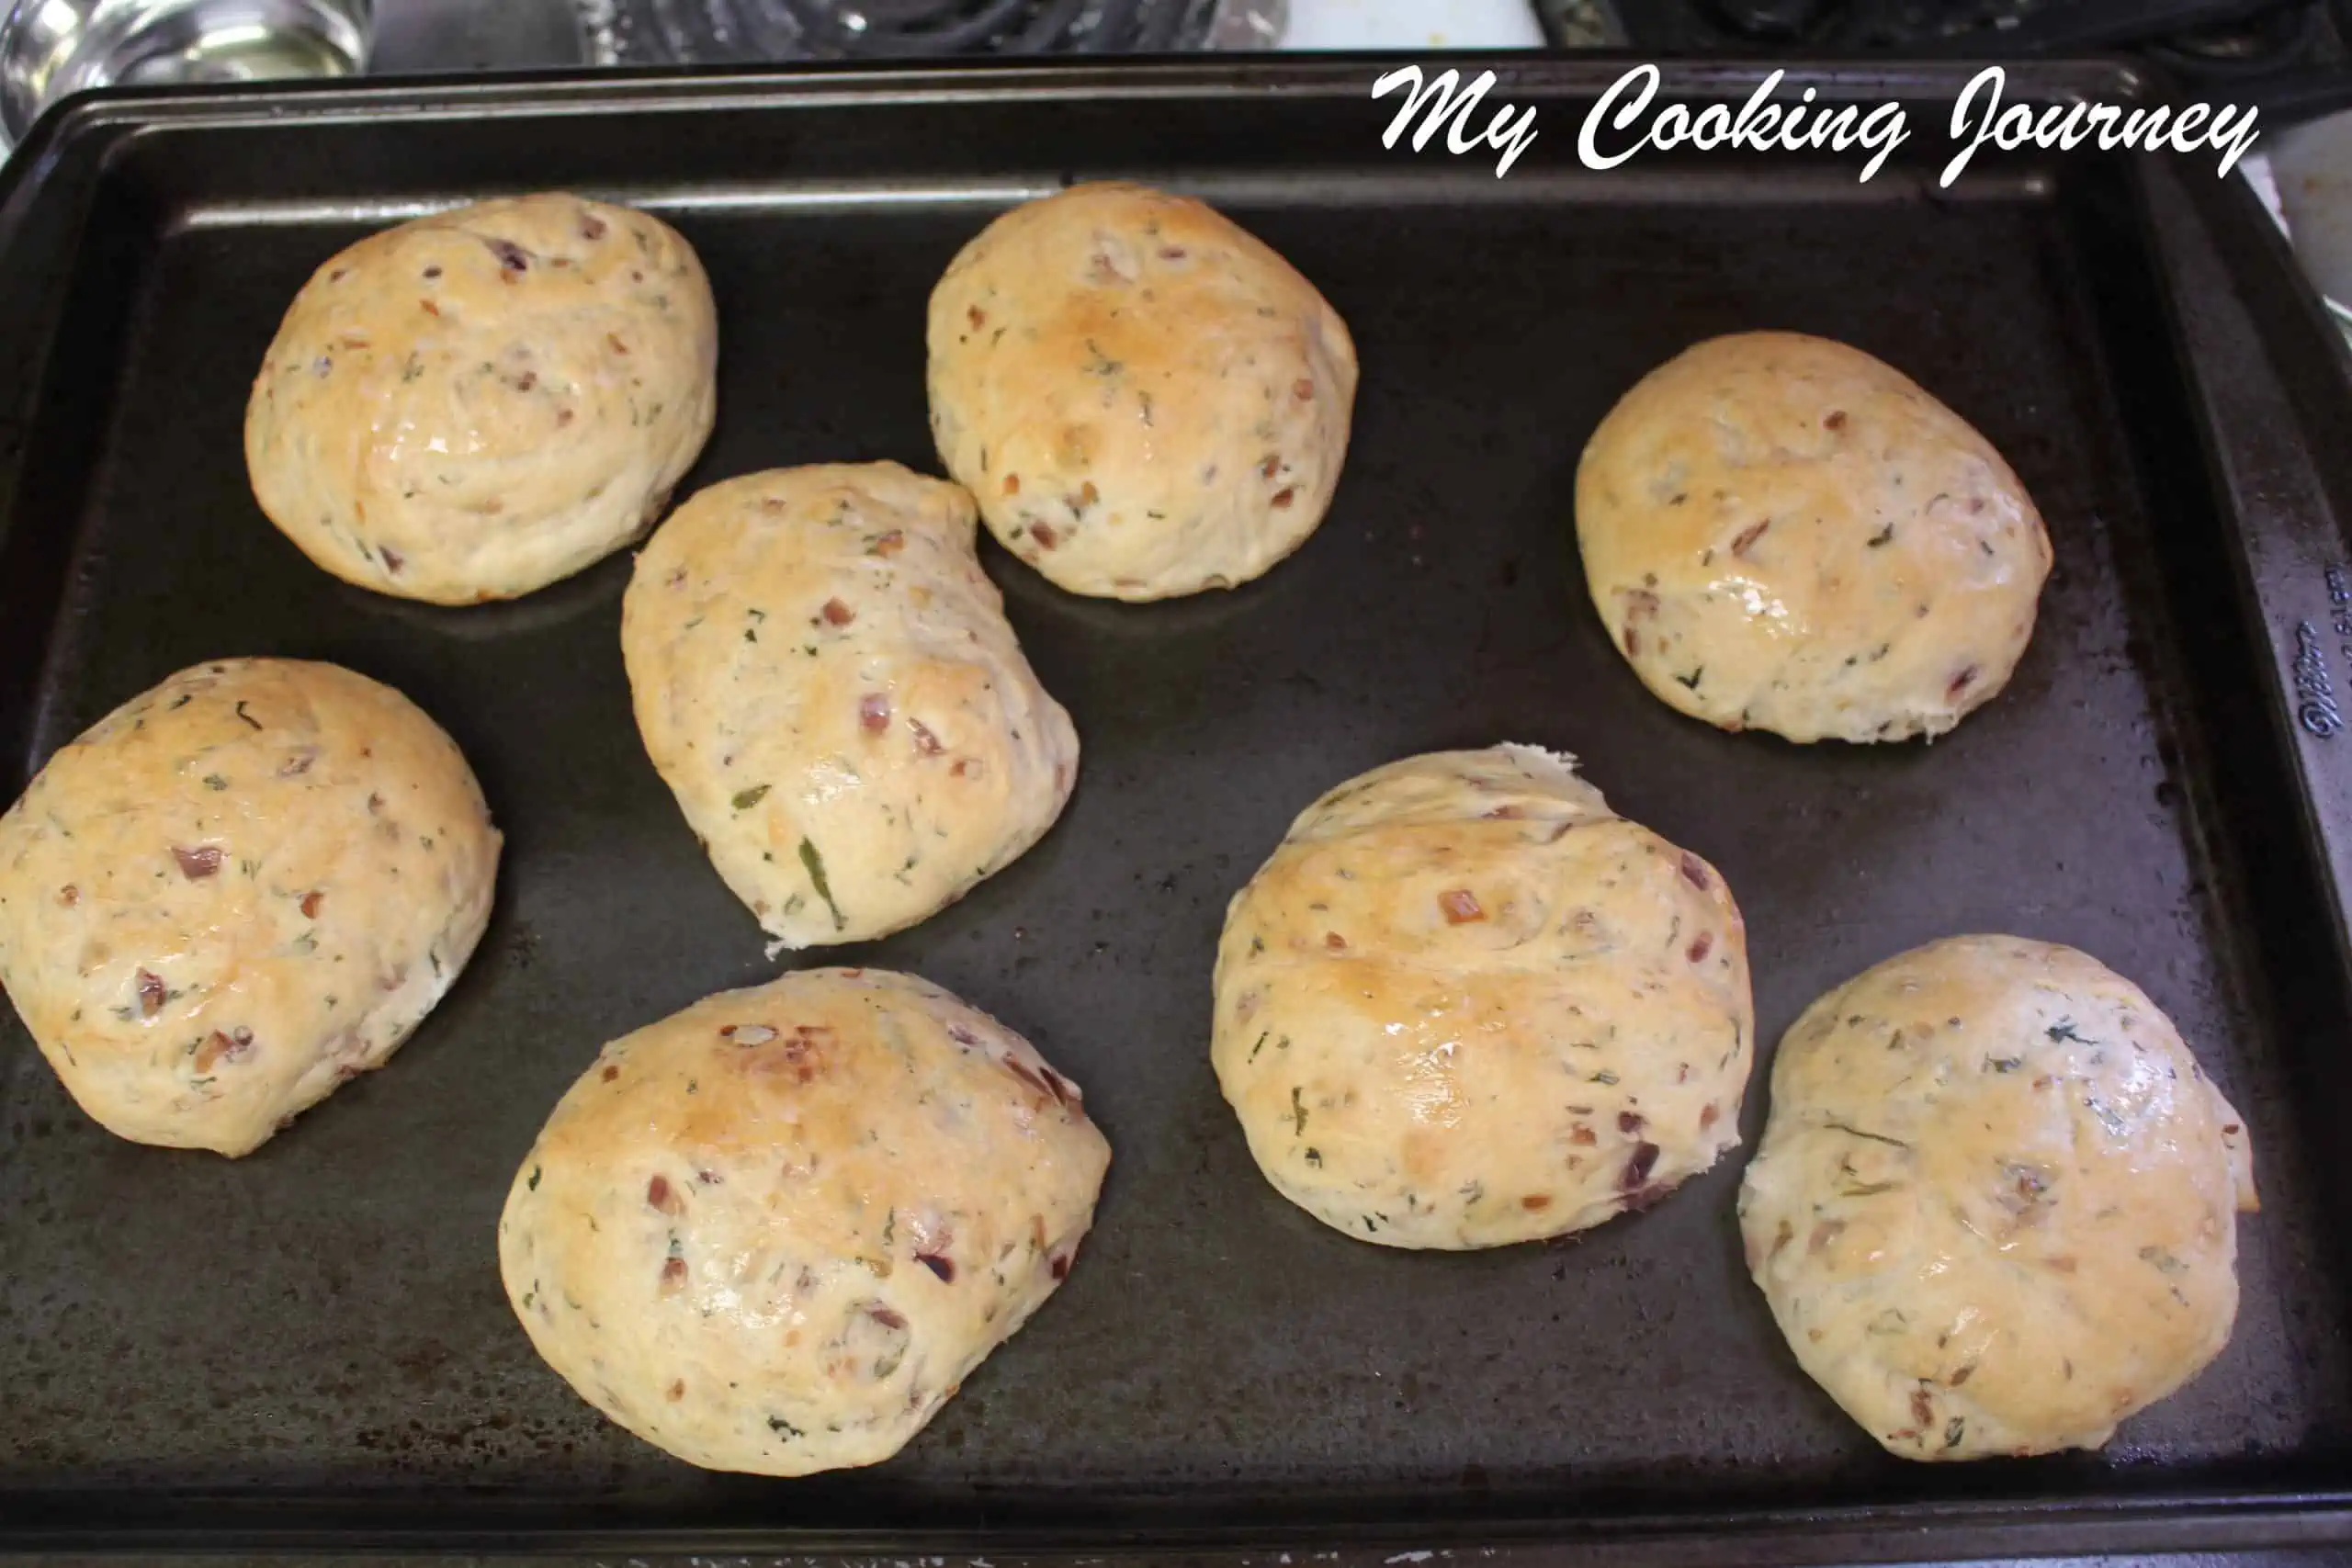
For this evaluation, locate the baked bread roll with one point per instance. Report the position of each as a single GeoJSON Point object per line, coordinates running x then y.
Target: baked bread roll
{"type": "Point", "coordinates": [474, 404]}
{"type": "Point", "coordinates": [1781, 533]}
{"type": "Point", "coordinates": [1465, 1004]}
{"type": "Point", "coordinates": [1994, 1209]}
{"type": "Point", "coordinates": [1146, 401]}
{"type": "Point", "coordinates": [825, 678]}
{"type": "Point", "coordinates": [237, 891]}
{"type": "Point", "coordinates": [774, 1232]}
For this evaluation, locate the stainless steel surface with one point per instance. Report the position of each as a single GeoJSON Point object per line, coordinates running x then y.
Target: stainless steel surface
{"type": "Point", "coordinates": [1584, 24]}
{"type": "Point", "coordinates": [425, 37]}
{"type": "Point", "coordinates": [2312, 167]}
{"type": "Point", "coordinates": [52, 49]}
{"type": "Point", "coordinates": [735, 31]}
{"type": "Point", "coordinates": [1248, 24]}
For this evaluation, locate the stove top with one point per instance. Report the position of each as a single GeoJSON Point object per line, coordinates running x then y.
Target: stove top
{"type": "Point", "coordinates": [2291, 48]}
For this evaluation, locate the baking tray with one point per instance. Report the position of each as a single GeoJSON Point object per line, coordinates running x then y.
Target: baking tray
{"type": "Point", "coordinates": [309, 1348]}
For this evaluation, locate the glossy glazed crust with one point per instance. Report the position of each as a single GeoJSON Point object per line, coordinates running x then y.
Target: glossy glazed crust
{"type": "Point", "coordinates": [236, 891]}
{"type": "Point", "coordinates": [1994, 1207]}
{"type": "Point", "coordinates": [1147, 401]}
{"type": "Point", "coordinates": [825, 678]}
{"type": "Point", "coordinates": [1465, 1004]}
{"type": "Point", "coordinates": [1781, 533]}
{"type": "Point", "coordinates": [475, 404]}
{"type": "Point", "coordinates": [774, 1232]}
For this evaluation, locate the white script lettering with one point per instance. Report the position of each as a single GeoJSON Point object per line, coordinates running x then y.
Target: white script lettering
{"type": "Point", "coordinates": [1630, 117]}
{"type": "Point", "coordinates": [1507, 133]}
{"type": "Point", "coordinates": [1757, 126]}
{"type": "Point", "coordinates": [2232, 131]}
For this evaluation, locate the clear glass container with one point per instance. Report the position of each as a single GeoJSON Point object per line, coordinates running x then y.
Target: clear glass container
{"type": "Point", "coordinates": [49, 49]}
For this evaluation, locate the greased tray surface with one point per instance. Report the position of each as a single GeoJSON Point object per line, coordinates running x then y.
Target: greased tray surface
{"type": "Point", "coordinates": [312, 1344]}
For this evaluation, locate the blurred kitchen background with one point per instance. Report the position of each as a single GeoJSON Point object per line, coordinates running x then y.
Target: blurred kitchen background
{"type": "Point", "coordinates": [2276, 40]}
{"type": "Point", "coordinates": [2281, 43]}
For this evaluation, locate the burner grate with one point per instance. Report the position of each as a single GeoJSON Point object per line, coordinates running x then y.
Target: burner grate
{"type": "Point", "coordinates": [665, 32]}
{"type": "Point", "coordinates": [2200, 41]}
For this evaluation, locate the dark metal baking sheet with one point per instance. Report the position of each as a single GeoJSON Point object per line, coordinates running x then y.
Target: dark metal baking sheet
{"type": "Point", "coordinates": [310, 1346]}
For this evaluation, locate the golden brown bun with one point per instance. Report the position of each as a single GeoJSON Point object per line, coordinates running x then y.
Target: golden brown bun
{"type": "Point", "coordinates": [774, 1232]}
{"type": "Point", "coordinates": [825, 678]}
{"type": "Point", "coordinates": [474, 404]}
{"type": "Point", "coordinates": [1781, 533]}
{"type": "Point", "coordinates": [1465, 1004]}
{"type": "Point", "coordinates": [1994, 1207]}
{"type": "Point", "coordinates": [1146, 400]}
{"type": "Point", "coordinates": [235, 892]}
